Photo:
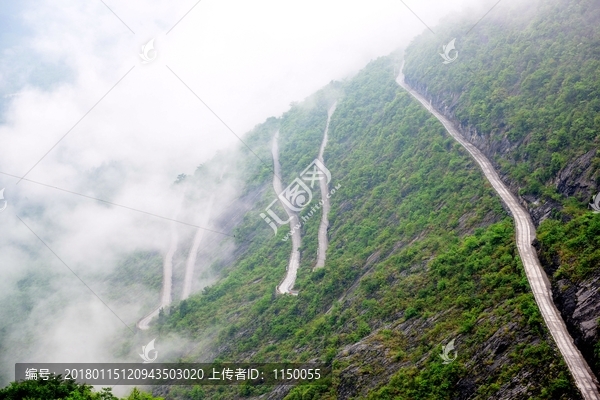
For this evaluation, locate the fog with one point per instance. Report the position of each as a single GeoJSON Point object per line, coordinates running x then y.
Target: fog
{"type": "Point", "coordinates": [71, 77]}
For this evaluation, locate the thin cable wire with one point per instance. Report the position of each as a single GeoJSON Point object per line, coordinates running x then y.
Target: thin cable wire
{"type": "Point", "coordinates": [73, 272]}
{"type": "Point", "coordinates": [76, 123]}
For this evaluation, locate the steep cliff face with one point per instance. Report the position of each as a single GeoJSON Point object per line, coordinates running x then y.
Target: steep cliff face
{"type": "Point", "coordinates": [578, 178]}
{"type": "Point", "coordinates": [421, 253]}
{"type": "Point", "coordinates": [534, 113]}
{"type": "Point", "coordinates": [579, 303]}
{"type": "Point", "coordinates": [371, 362]}
{"type": "Point", "coordinates": [577, 300]}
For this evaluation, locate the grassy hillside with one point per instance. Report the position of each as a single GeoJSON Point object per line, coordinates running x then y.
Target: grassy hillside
{"type": "Point", "coordinates": [421, 253]}
{"type": "Point", "coordinates": [525, 89]}
{"type": "Point", "coordinates": [527, 78]}
{"type": "Point", "coordinates": [68, 389]}
{"type": "Point", "coordinates": [421, 250]}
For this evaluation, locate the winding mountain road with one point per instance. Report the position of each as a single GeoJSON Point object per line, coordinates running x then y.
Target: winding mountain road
{"type": "Point", "coordinates": [525, 234]}
{"type": "Point", "coordinates": [323, 242]}
{"type": "Point", "coordinates": [292, 269]}
{"type": "Point", "coordinates": [193, 254]}
{"type": "Point", "coordinates": [165, 293]}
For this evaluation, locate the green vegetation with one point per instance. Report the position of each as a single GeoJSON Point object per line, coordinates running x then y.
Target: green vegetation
{"type": "Point", "coordinates": [59, 388]}
{"type": "Point", "coordinates": [480, 284]}
{"type": "Point", "coordinates": [142, 268]}
{"type": "Point", "coordinates": [18, 305]}
{"type": "Point", "coordinates": [573, 246]}
{"type": "Point", "coordinates": [413, 262]}
{"type": "Point", "coordinates": [527, 79]}
{"type": "Point", "coordinates": [421, 251]}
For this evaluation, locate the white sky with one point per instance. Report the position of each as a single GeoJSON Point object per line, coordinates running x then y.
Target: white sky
{"type": "Point", "coordinates": [246, 59]}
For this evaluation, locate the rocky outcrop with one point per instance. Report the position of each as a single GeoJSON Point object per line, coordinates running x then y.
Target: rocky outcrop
{"type": "Point", "coordinates": [490, 146]}
{"type": "Point", "coordinates": [578, 302]}
{"type": "Point", "coordinates": [578, 178]}
{"type": "Point", "coordinates": [371, 362]}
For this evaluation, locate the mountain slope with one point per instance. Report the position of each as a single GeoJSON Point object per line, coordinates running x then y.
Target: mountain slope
{"type": "Point", "coordinates": [536, 276]}
{"type": "Point", "coordinates": [420, 253]}
{"type": "Point", "coordinates": [529, 99]}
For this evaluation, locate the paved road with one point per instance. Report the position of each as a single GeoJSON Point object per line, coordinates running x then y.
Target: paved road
{"type": "Point", "coordinates": [525, 234]}
{"type": "Point", "coordinates": [292, 269]}
{"type": "Point", "coordinates": [193, 254]}
{"type": "Point", "coordinates": [323, 242]}
{"type": "Point", "coordinates": [165, 294]}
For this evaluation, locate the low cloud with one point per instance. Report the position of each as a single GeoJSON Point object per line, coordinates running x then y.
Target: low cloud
{"type": "Point", "coordinates": [124, 131]}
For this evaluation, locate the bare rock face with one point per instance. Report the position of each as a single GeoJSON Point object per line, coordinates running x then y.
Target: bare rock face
{"type": "Point", "coordinates": [490, 146]}
{"type": "Point", "coordinates": [540, 209]}
{"type": "Point", "coordinates": [579, 305]}
{"type": "Point", "coordinates": [357, 378]}
{"type": "Point", "coordinates": [576, 179]}
{"type": "Point", "coordinates": [279, 392]}
{"type": "Point", "coordinates": [371, 362]}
